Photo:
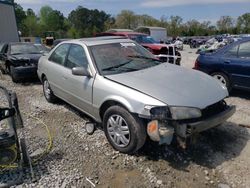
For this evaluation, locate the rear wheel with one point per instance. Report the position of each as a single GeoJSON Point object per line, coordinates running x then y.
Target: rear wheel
{"type": "Point", "coordinates": [222, 78]}
{"type": "Point", "coordinates": [48, 93]}
{"type": "Point", "coordinates": [124, 131]}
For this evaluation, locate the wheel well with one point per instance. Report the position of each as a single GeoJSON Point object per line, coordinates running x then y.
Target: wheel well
{"type": "Point", "coordinates": [7, 64]}
{"type": "Point", "coordinates": [42, 77]}
{"type": "Point", "coordinates": [108, 104]}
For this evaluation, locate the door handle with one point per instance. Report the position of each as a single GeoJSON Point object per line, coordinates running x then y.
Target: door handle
{"type": "Point", "coordinates": [64, 77]}
{"type": "Point", "coordinates": [227, 61]}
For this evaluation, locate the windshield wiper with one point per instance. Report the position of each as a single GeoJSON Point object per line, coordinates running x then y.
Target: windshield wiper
{"type": "Point", "coordinates": [143, 57]}
{"type": "Point", "coordinates": [116, 66]}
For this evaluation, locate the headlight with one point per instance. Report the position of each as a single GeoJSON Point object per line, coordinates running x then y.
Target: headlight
{"type": "Point", "coordinates": [179, 113]}
{"type": "Point", "coordinates": [158, 112]}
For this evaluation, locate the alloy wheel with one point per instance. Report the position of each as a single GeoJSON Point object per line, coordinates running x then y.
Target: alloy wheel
{"type": "Point", "coordinates": [118, 130]}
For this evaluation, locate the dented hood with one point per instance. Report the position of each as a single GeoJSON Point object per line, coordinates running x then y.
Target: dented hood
{"type": "Point", "coordinates": [174, 85]}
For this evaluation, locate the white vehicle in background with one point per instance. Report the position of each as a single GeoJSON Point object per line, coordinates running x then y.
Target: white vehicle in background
{"type": "Point", "coordinates": [159, 34]}
{"type": "Point", "coordinates": [178, 44]}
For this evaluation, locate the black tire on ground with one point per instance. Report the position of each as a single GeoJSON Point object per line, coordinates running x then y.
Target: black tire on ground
{"type": "Point", "coordinates": [225, 78]}
{"type": "Point", "coordinates": [3, 71]}
{"type": "Point", "coordinates": [135, 125]}
{"type": "Point", "coordinates": [13, 75]}
{"type": "Point", "coordinates": [25, 155]}
{"type": "Point", "coordinates": [49, 96]}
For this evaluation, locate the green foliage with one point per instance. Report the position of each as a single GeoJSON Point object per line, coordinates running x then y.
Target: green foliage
{"type": "Point", "coordinates": [83, 22]}
{"type": "Point", "coordinates": [243, 24]}
{"type": "Point", "coordinates": [87, 22]}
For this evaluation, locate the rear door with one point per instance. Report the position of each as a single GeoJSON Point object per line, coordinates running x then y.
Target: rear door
{"type": "Point", "coordinates": [79, 88]}
{"type": "Point", "coordinates": [236, 62]}
{"type": "Point", "coordinates": [55, 70]}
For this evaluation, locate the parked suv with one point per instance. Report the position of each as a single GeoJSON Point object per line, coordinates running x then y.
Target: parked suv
{"type": "Point", "coordinates": [123, 86]}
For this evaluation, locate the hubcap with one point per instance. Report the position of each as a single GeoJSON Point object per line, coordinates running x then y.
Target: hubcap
{"type": "Point", "coordinates": [118, 130]}
{"type": "Point", "coordinates": [46, 88]}
{"type": "Point", "coordinates": [221, 79]}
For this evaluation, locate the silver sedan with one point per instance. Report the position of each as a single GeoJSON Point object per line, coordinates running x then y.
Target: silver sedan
{"type": "Point", "coordinates": [131, 93]}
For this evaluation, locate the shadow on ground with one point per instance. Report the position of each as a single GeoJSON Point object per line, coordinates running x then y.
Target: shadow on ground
{"type": "Point", "coordinates": [240, 93]}
{"type": "Point", "coordinates": [211, 149]}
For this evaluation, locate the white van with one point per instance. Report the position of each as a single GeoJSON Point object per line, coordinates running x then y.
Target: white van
{"type": "Point", "coordinates": [159, 34]}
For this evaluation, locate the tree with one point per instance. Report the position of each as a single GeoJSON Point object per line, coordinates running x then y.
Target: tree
{"type": "Point", "coordinates": [126, 20]}
{"type": "Point", "coordinates": [87, 22]}
{"type": "Point", "coordinates": [243, 23]}
{"type": "Point", "coordinates": [20, 16]}
{"type": "Point", "coordinates": [31, 24]}
{"type": "Point", "coordinates": [225, 24]}
{"type": "Point", "coordinates": [175, 24]}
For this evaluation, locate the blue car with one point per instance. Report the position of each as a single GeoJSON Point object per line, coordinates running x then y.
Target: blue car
{"type": "Point", "coordinates": [230, 65]}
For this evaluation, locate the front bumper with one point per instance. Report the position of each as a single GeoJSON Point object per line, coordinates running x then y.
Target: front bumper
{"type": "Point", "coordinates": [25, 72]}
{"type": "Point", "coordinates": [186, 129]}
{"type": "Point", "coordinates": [162, 131]}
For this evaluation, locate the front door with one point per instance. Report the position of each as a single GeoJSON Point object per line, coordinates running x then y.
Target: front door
{"type": "Point", "coordinates": [79, 88]}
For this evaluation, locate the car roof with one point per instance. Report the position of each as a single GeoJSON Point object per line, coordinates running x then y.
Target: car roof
{"type": "Point", "coordinates": [149, 27]}
{"type": "Point", "coordinates": [119, 30]}
{"type": "Point", "coordinates": [19, 43]}
{"type": "Point", "coordinates": [100, 40]}
{"type": "Point", "coordinates": [122, 33]}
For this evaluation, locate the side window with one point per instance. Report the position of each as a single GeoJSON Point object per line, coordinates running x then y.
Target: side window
{"type": "Point", "coordinates": [232, 52]}
{"type": "Point", "coordinates": [60, 53]}
{"type": "Point", "coordinates": [77, 57]}
{"type": "Point", "coordinates": [244, 50]}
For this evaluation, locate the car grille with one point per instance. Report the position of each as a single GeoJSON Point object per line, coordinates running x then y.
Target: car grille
{"type": "Point", "coordinates": [214, 109]}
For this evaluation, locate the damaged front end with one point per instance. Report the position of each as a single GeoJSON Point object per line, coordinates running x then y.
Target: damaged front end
{"type": "Point", "coordinates": [184, 122]}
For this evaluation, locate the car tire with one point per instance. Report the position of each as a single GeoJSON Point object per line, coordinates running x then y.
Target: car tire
{"type": "Point", "coordinates": [223, 78]}
{"type": "Point", "coordinates": [48, 93]}
{"type": "Point", "coordinates": [124, 131]}
{"type": "Point", "coordinates": [13, 75]}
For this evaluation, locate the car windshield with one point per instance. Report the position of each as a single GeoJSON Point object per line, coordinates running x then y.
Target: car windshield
{"type": "Point", "coordinates": [24, 49]}
{"type": "Point", "coordinates": [142, 39]}
{"type": "Point", "coordinates": [118, 58]}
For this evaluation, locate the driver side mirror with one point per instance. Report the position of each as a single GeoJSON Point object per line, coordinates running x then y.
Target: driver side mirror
{"type": "Point", "coordinates": [6, 113]}
{"type": "Point", "coordinates": [81, 71]}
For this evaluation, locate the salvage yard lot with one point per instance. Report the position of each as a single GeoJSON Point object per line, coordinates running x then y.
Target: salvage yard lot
{"type": "Point", "coordinates": [219, 158]}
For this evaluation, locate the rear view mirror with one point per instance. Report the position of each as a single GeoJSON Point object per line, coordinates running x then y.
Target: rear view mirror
{"type": "Point", "coordinates": [80, 71]}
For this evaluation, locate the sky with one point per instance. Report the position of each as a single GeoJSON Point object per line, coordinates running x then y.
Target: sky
{"type": "Point", "coordinates": [202, 10]}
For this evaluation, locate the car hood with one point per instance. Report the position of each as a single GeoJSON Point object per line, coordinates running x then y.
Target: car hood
{"type": "Point", "coordinates": [32, 57]}
{"type": "Point", "coordinates": [174, 85]}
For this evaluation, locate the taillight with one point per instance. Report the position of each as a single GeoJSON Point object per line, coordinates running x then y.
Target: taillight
{"type": "Point", "coordinates": [196, 65]}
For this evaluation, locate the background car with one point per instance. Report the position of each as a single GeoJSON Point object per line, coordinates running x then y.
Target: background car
{"type": "Point", "coordinates": [20, 60]}
{"type": "Point", "coordinates": [230, 65]}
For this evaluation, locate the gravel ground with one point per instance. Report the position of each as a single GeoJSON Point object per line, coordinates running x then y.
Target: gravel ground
{"type": "Point", "coordinates": [220, 157]}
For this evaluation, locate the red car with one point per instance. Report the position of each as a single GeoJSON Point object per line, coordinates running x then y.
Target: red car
{"type": "Point", "coordinates": [162, 51]}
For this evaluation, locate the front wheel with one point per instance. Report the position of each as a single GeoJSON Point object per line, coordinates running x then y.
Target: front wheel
{"type": "Point", "coordinates": [13, 75]}
{"type": "Point", "coordinates": [124, 131]}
